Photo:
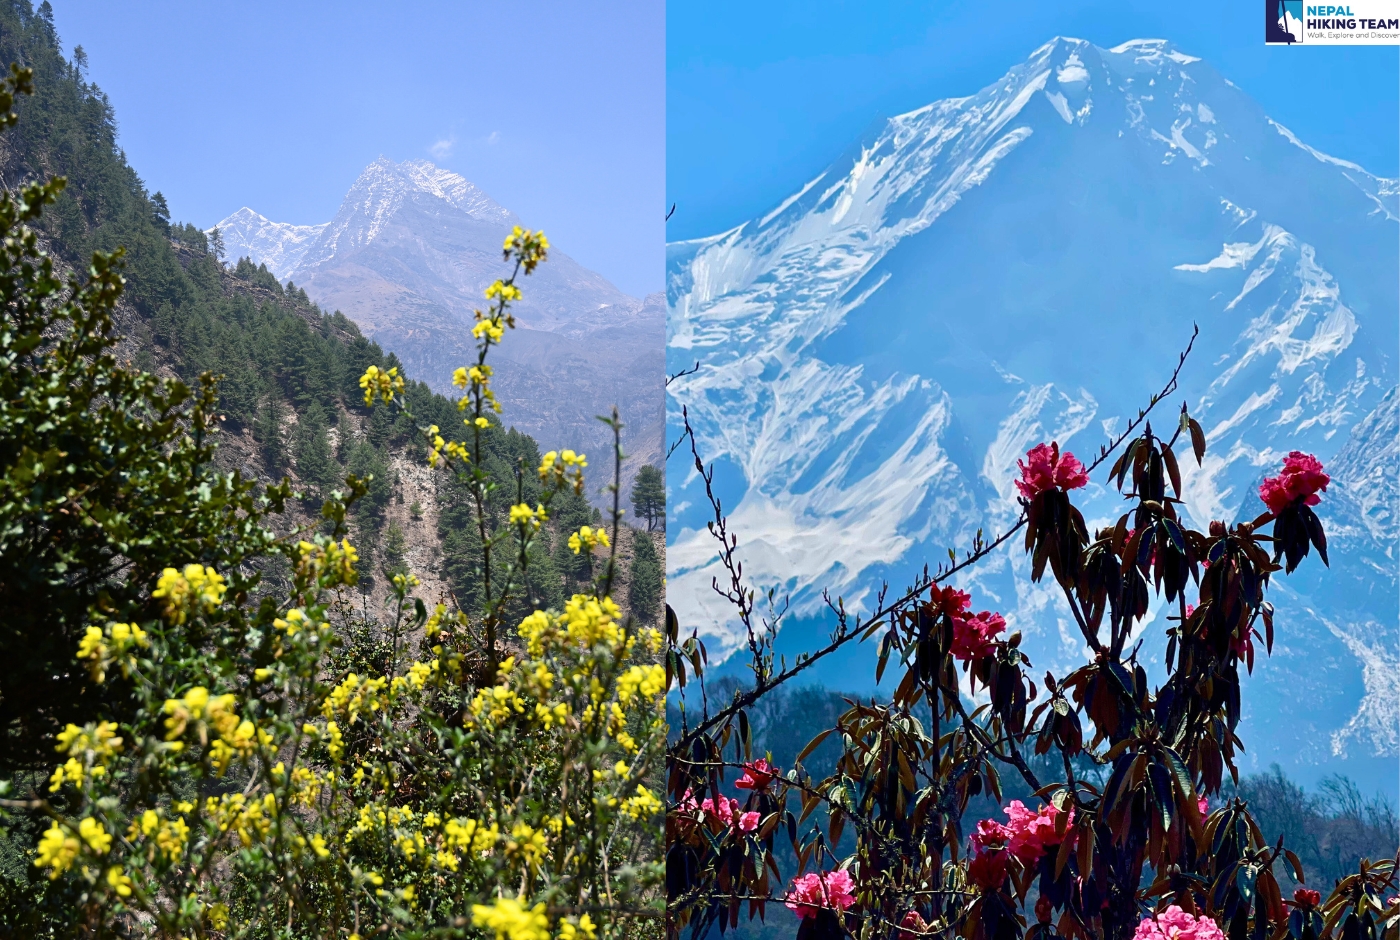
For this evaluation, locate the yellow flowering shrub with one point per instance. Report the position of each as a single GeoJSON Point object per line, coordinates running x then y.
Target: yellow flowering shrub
{"type": "Point", "coordinates": [489, 776]}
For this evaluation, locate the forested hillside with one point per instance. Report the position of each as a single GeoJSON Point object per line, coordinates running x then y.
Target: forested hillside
{"type": "Point", "coordinates": [118, 513]}
{"type": "Point", "coordinates": [289, 392]}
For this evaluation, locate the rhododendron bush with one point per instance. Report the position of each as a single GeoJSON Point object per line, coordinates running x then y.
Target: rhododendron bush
{"type": "Point", "coordinates": [248, 768]}
{"type": "Point", "coordinates": [886, 845]}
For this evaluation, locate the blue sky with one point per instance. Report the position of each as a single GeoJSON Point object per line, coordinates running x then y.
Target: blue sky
{"type": "Point", "coordinates": [762, 96]}
{"type": "Point", "coordinates": [555, 108]}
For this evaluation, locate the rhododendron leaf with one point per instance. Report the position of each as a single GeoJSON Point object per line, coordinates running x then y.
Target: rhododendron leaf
{"type": "Point", "coordinates": [1181, 777]}
{"type": "Point", "coordinates": [1198, 440]}
{"type": "Point", "coordinates": [886, 644]}
{"type": "Point", "coordinates": [1315, 533]}
{"type": "Point", "coordinates": [1174, 533]}
{"type": "Point", "coordinates": [1296, 864]}
{"type": "Point", "coordinates": [1173, 472]}
{"type": "Point", "coordinates": [836, 824]}
{"type": "Point", "coordinates": [812, 745]}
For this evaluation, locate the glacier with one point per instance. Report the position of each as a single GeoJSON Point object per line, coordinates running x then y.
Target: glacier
{"type": "Point", "coordinates": [1024, 264]}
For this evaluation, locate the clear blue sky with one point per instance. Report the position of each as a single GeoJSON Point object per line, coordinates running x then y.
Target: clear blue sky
{"type": "Point", "coordinates": [763, 96]}
{"type": "Point", "coordinates": [555, 107]}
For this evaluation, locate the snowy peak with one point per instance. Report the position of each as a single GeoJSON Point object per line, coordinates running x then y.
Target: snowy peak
{"type": "Point", "coordinates": [384, 188]}
{"type": "Point", "coordinates": [279, 245]}
{"type": "Point", "coordinates": [878, 348]}
{"type": "Point", "coordinates": [455, 190]}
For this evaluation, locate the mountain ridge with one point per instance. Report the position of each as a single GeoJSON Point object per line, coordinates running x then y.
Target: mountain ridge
{"type": "Point", "coordinates": [408, 257]}
{"type": "Point", "coordinates": [880, 347]}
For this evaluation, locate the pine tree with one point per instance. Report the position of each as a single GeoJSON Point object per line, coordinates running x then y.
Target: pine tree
{"type": "Point", "coordinates": [267, 431]}
{"type": "Point", "coordinates": [160, 212]}
{"type": "Point", "coordinates": [316, 468]}
{"type": "Point", "coordinates": [649, 496]}
{"type": "Point", "coordinates": [216, 244]}
{"type": "Point", "coordinates": [644, 593]}
{"type": "Point", "coordinates": [370, 464]}
{"type": "Point", "coordinates": [395, 548]}
{"type": "Point", "coordinates": [571, 511]}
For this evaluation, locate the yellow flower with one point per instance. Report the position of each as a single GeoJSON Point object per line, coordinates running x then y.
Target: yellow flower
{"type": "Point", "coordinates": [93, 648]}
{"type": "Point", "coordinates": [57, 850]}
{"type": "Point", "coordinates": [642, 805]}
{"type": "Point", "coordinates": [589, 537]}
{"type": "Point", "coordinates": [522, 514]}
{"type": "Point", "coordinates": [512, 920]}
{"type": "Point", "coordinates": [558, 469]}
{"type": "Point", "coordinates": [506, 292]}
{"type": "Point", "coordinates": [468, 835]}
{"type": "Point", "coordinates": [353, 696]}
{"type": "Point", "coordinates": [118, 881]}
{"type": "Point", "coordinates": [385, 384]}
{"type": "Point", "coordinates": [489, 327]}
{"type": "Point", "coordinates": [197, 588]}
{"type": "Point", "coordinates": [196, 705]}
{"type": "Point", "coordinates": [97, 838]}
{"type": "Point", "coordinates": [332, 564]}
{"type": "Point", "coordinates": [529, 248]}
{"type": "Point", "coordinates": [527, 844]}
{"type": "Point", "coordinates": [584, 928]}
{"type": "Point", "coordinates": [217, 915]}
{"type": "Point", "coordinates": [294, 621]}
{"type": "Point", "coordinates": [648, 681]}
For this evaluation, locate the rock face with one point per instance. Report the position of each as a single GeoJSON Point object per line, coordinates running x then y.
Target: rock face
{"type": "Point", "coordinates": [408, 258]}
{"type": "Point", "coordinates": [1024, 264]}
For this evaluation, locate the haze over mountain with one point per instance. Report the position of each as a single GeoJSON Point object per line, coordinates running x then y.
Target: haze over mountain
{"type": "Point", "coordinates": [408, 257]}
{"type": "Point", "coordinates": [1024, 264]}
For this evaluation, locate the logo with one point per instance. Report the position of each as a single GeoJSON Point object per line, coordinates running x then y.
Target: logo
{"type": "Point", "coordinates": [1283, 22]}
{"type": "Point", "coordinates": [1350, 23]}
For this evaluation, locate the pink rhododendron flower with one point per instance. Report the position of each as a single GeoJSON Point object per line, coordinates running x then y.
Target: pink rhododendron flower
{"type": "Point", "coordinates": [687, 803]}
{"type": "Point", "coordinates": [990, 834]}
{"type": "Point", "coordinates": [987, 870]}
{"type": "Point", "coordinates": [911, 925]}
{"type": "Point", "coordinates": [1043, 909]}
{"type": "Point", "coordinates": [757, 775]}
{"type": "Point", "coordinates": [975, 636]}
{"type": "Point", "coordinates": [1026, 835]}
{"type": "Point", "coordinates": [950, 601]}
{"type": "Point", "coordinates": [1046, 468]}
{"type": "Point", "coordinates": [1306, 897]}
{"type": "Point", "coordinates": [1176, 924]}
{"type": "Point", "coordinates": [1203, 806]}
{"type": "Point", "coordinates": [1302, 479]}
{"type": "Point", "coordinates": [816, 890]}
{"type": "Point", "coordinates": [724, 809]}
{"type": "Point", "coordinates": [687, 810]}
{"type": "Point", "coordinates": [1031, 834]}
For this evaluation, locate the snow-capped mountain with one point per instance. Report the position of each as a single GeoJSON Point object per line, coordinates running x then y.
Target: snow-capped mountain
{"type": "Point", "coordinates": [409, 256]}
{"type": "Point", "coordinates": [280, 245]}
{"type": "Point", "coordinates": [1024, 264]}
